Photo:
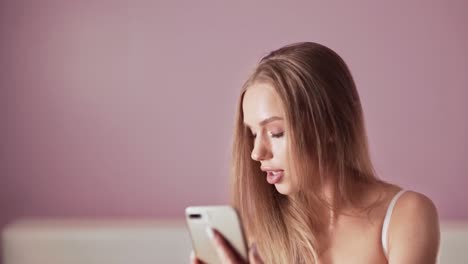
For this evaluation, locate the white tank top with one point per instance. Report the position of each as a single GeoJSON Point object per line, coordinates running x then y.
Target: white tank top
{"type": "Point", "coordinates": [386, 222]}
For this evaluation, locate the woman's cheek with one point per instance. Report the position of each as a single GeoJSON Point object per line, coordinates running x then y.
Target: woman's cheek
{"type": "Point", "coordinates": [279, 149]}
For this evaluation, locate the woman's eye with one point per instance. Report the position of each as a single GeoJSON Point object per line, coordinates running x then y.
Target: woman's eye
{"type": "Point", "coordinates": [277, 135]}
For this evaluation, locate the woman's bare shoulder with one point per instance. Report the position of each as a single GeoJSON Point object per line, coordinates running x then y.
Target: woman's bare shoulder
{"type": "Point", "coordinates": [414, 207]}
{"type": "Point", "coordinates": [412, 200]}
{"type": "Point", "coordinates": [414, 229]}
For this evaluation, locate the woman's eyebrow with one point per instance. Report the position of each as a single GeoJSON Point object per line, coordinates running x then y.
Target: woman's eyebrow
{"type": "Point", "coordinates": [267, 120]}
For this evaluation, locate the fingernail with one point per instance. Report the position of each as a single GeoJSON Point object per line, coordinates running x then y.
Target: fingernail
{"type": "Point", "coordinates": [253, 247]}
{"type": "Point", "coordinates": [192, 255]}
{"type": "Point", "coordinates": [210, 232]}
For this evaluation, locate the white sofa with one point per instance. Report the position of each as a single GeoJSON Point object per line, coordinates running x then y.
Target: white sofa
{"type": "Point", "coordinates": [43, 241]}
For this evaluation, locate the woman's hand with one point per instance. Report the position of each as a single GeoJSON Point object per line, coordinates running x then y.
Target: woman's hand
{"type": "Point", "coordinates": [226, 252]}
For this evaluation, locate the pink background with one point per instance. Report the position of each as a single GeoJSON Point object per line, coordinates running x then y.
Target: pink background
{"type": "Point", "coordinates": [125, 109]}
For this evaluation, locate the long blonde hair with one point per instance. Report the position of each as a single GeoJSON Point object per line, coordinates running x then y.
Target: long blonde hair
{"type": "Point", "coordinates": [326, 138]}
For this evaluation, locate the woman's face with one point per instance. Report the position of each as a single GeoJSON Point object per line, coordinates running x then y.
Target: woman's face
{"type": "Point", "coordinates": [264, 116]}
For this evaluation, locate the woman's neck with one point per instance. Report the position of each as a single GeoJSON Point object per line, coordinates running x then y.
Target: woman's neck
{"type": "Point", "coordinates": [337, 205]}
{"type": "Point", "coordinates": [331, 206]}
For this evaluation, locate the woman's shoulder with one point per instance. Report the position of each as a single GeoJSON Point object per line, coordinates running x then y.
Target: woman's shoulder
{"type": "Point", "coordinates": [414, 225]}
{"type": "Point", "coordinates": [414, 210]}
{"type": "Point", "coordinates": [404, 200]}
{"type": "Point", "coordinates": [407, 206]}
{"type": "Point", "coordinates": [400, 204]}
{"type": "Point", "coordinates": [411, 202]}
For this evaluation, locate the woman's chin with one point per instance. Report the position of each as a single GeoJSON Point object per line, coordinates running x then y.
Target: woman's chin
{"type": "Point", "coordinates": [283, 188]}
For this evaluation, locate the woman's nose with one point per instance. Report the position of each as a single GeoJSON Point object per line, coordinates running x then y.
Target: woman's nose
{"type": "Point", "coordinates": [261, 151]}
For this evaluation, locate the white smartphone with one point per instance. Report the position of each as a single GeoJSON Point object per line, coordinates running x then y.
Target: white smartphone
{"type": "Point", "coordinates": [223, 218]}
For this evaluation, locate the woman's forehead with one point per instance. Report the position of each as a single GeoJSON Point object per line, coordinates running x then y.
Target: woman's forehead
{"type": "Point", "coordinates": [261, 102]}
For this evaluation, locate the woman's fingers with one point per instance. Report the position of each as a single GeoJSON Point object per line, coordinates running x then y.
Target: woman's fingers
{"type": "Point", "coordinates": [193, 259]}
{"type": "Point", "coordinates": [254, 258]}
{"type": "Point", "coordinates": [226, 252]}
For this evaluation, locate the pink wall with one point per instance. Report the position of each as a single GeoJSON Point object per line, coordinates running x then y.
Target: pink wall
{"type": "Point", "coordinates": [126, 109]}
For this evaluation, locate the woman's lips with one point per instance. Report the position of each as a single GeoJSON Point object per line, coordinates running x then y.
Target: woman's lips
{"type": "Point", "coordinates": [274, 177]}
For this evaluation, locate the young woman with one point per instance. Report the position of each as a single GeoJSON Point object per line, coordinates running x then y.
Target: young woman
{"type": "Point", "coordinates": [302, 178]}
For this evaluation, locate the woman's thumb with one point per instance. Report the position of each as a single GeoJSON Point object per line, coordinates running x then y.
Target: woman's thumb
{"type": "Point", "coordinates": [254, 256]}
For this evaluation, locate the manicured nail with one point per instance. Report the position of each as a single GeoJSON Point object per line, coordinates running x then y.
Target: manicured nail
{"type": "Point", "coordinates": [210, 232]}
{"type": "Point", "coordinates": [253, 247]}
{"type": "Point", "coordinates": [192, 255]}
